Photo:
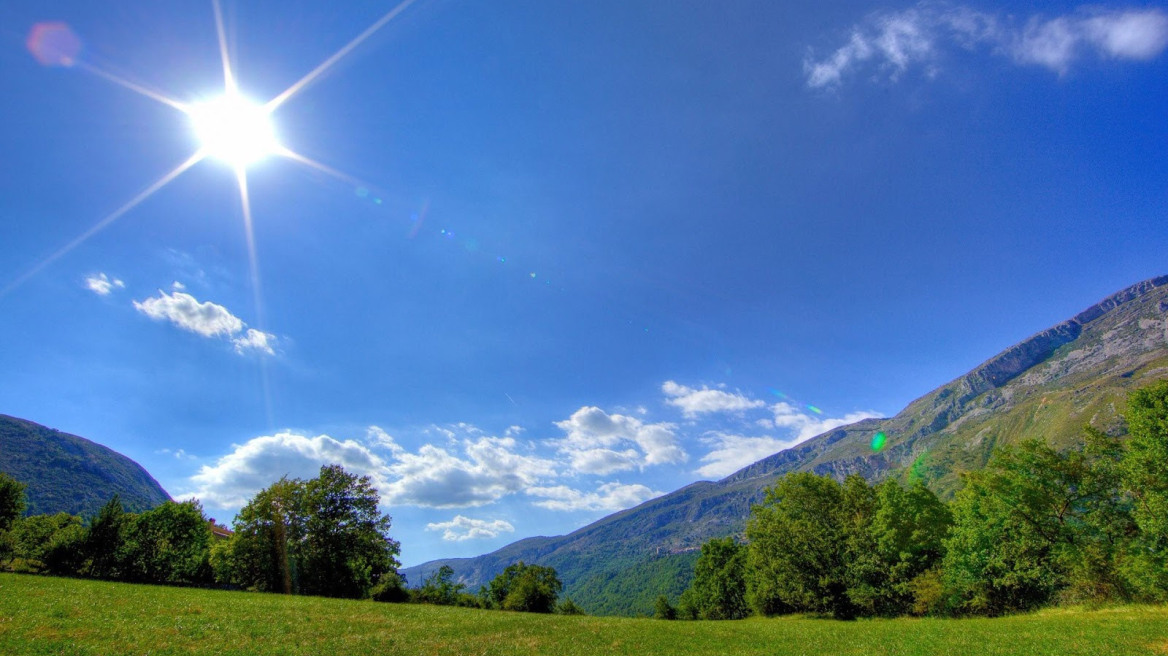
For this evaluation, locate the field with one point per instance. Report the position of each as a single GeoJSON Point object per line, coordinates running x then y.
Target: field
{"type": "Point", "coordinates": [41, 615]}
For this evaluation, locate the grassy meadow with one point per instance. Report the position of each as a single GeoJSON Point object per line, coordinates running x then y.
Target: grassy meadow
{"type": "Point", "coordinates": [43, 615]}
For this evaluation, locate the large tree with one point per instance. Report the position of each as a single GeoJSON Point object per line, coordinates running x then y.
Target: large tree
{"type": "Point", "coordinates": [1145, 478]}
{"type": "Point", "coordinates": [1035, 523]}
{"type": "Point", "coordinates": [168, 544]}
{"type": "Point", "coordinates": [12, 501]}
{"type": "Point", "coordinates": [718, 591]}
{"type": "Point", "coordinates": [796, 561]}
{"type": "Point", "coordinates": [523, 587]}
{"type": "Point", "coordinates": [324, 536]}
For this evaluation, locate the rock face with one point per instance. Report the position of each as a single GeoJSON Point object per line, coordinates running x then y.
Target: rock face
{"type": "Point", "coordinates": [66, 473]}
{"type": "Point", "coordinates": [1049, 386]}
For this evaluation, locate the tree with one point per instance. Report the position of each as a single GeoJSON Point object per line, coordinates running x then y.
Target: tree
{"type": "Point", "coordinates": [347, 548]}
{"type": "Point", "coordinates": [719, 585]}
{"type": "Point", "coordinates": [47, 544]}
{"type": "Point", "coordinates": [260, 555]}
{"type": "Point", "coordinates": [568, 607]}
{"type": "Point", "coordinates": [1144, 472]}
{"type": "Point", "coordinates": [12, 500]}
{"type": "Point", "coordinates": [527, 588]}
{"type": "Point", "coordinates": [797, 543]}
{"type": "Point", "coordinates": [103, 548]}
{"type": "Point", "coordinates": [439, 588]}
{"type": "Point", "coordinates": [903, 541]}
{"type": "Point", "coordinates": [324, 536]}
{"type": "Point", "coordinates": [1036, 523]}
{"type": "Point", "coordinates": [663, 610]}
{"type": "Point", "coordinates": [169, 544]}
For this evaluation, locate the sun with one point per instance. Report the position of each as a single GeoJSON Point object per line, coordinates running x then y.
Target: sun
{"type": "Point", "coordinates": [234, 129]}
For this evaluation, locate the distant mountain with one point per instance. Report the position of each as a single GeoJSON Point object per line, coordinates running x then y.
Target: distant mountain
{"type": "Point", "coordinates": [1049, 386]}
{"type": "Point", "coordinates": [66, 473]}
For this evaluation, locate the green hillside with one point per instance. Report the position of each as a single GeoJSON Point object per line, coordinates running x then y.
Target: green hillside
{"type": "Point", "coordinates": [66, 473]}
{"type": "Point", "coordinates": [1049, 386]}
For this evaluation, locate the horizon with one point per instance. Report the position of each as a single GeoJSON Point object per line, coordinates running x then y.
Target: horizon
{"type": "Point", "coordinates": [545, 264]}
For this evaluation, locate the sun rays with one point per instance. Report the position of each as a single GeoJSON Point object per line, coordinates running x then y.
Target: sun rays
{"type": "Point", "coordinates": [231, 129]}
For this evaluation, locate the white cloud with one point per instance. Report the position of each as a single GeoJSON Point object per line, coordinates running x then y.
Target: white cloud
{"type": "Point", "coordinates": [103, 285]}
{"type": "Point", "coordinates": [464, 528]}
{"type": "Point", "coordinates": [733, 452]}
{"type": "Point", "coordinates": [178, 453]}
{"type": "Point", "coordinates": [693, 402]}
{"type": "Point", "coordinates": [488, 469]}
{"type": "Point", "coordinates": [600, 443]}
{"type": "Point", "coordinates": [609, 496]}
{"type": "Point", "coordinates": [896, 41]}
{"type": "Point", "coordinates": [206, 319]}
{"type": "Point", "coordinates": [254, 340]}
{"type": "Point", "coordinates": [806, 426]}
{"type": "Point", "coordinates": [261, 461]}
{"type": "Point", "coordinates": [477, 472]}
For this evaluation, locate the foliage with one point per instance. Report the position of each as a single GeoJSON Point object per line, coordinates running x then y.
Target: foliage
{"type": "Point", "coordinates": [568, 607]}
{"type": "Point", "coordinates": [1034, 523]}
{"type": "Point", "coordinates": [719, 585]}
{"type": "Point", "coordinates": [527, 588]}
{"type": "Point", "coordinates": [46, 543]}
{"type": "Point", "coordinates": [44, 615]}
{"type": "Point", "coordinates": [901, 542]}
{"type": "Point", "coordinates": [795, 560]}
{"type": "Point", "coordinates": [663, 610]}
{"type": "Point", "coordinates": [391, 588]}
{"type": "Point", "coordinates": [168, 544]}
{"type": "Point", "coordinates": [1144, 473]}
{"type": "Point", "coordinates": [103, 548]}
{"type": "Point", "coordinates": [439, 588]}
{"type": "Point", "coordinates": [12, 500]}
{"type": "Point", "coordinates": [324, 536]}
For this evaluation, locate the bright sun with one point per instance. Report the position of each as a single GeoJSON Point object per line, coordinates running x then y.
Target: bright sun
{"type": "Point", "coordinates": [235, 130]}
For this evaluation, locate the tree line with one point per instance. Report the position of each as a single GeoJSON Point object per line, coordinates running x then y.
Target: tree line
{"type": "Point", "coordinates": [1036, 527]}
{"type": "Point", "coordinates": [324, 536]}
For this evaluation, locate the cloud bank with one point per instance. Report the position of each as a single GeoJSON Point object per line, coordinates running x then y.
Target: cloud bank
{"type": "Point", "coordinates": [892, 42]}
{"type": "Point", "coordinates": [205, 319]}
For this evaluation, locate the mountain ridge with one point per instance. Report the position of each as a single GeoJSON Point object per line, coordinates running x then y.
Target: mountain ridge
{"type": "Point", "coordinates": [68, 473]}
{"type": "Point", "coordinates": [1048, 385]}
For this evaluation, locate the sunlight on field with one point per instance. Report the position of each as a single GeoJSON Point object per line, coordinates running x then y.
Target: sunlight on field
{"type": "Point", "coordinates": [41, 615]}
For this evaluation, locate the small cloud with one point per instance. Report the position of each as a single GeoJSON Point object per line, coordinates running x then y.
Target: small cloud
{"type": "Point", "coordinates": [693, 402]}
{"type": "Point", "coordinates": [206, 319]}
{"type": "Point", "coordinates": [922, 35]}
{"type": "Point", "coordinates": [178, 286]}
{"type": "Point", "coordinates": [608, 497]}
{"type": "Point", "coordinates": [103, 285]}
{"type": "Point", "coordinates": [179, 453]}
{"type": "Point", "coordinates": [464, 528]}
{"type": "Point", "coordinates": [254, 340]}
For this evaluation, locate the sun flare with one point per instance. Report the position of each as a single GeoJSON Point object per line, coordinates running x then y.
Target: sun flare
{"type": "Point", "coordinates": [234, 129]}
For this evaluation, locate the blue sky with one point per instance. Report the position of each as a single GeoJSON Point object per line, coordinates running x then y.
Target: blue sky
{"type": "Point", "coordinates": [557, 257]}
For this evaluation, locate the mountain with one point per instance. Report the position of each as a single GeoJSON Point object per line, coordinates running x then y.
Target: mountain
{"type": "Point", "coordinates": [1049, 386]}
{"type": "Point", "coordinates": [66, 473]}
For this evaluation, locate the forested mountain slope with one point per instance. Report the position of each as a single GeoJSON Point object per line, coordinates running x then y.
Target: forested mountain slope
{"type": "Point", "coordinates": [1049, 386]}
{"type": "Point", "coordinates": [66, 473]}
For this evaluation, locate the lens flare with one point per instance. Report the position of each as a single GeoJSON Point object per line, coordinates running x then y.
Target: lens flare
{"type": "Point", "coordinates": [53, 44]}
{"type": "Point", "coordinates": [878, 441]}
{"type": "Point", "coordinates": [235, 130]}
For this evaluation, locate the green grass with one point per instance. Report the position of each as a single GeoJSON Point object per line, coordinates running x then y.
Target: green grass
{"type": "Point", "coordinates": [41, 615]}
